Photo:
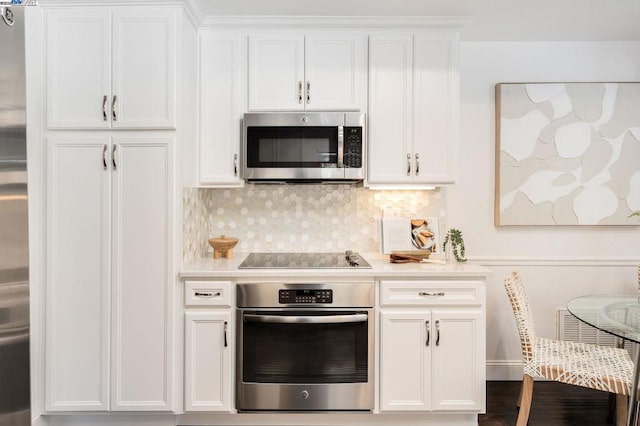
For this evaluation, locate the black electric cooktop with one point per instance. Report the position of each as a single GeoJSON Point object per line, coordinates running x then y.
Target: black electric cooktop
{"type": "Point", "coordinates": [346, 260]}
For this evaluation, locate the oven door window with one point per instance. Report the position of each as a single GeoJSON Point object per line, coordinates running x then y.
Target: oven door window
{"type": "Point", "coordinates": [292, 147]}
{"type": "Point", "coordinates": [301, 350]}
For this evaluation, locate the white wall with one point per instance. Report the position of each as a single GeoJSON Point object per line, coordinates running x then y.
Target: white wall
{"type": "Point", "coordinates": [557, 263]}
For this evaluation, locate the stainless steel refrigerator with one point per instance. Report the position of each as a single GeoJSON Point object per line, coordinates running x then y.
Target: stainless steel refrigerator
{"type": "Point", "coordinates": [14, 249]}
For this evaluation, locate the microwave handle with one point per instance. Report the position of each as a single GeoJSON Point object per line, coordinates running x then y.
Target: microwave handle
{"type": "Point", "coordinates": [340, 147]}
{"type": "Point", "coordinates": [286, 319]}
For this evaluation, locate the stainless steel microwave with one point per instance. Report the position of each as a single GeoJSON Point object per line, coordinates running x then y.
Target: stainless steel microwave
{"type": "Point", "coordinates": [304, 147]}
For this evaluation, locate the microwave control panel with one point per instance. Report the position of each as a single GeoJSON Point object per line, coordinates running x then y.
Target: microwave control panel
{"type": "Point", "coordinates": [352, 147]}
{"type": "Point", "coordinates": [306, 296]}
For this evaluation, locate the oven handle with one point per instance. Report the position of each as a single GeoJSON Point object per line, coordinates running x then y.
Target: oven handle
{"type": "Point", "coordinates": [285, 319]}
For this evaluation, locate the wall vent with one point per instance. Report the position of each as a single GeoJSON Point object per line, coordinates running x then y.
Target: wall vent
{"type": "Point", "coordinates": [571, 329]}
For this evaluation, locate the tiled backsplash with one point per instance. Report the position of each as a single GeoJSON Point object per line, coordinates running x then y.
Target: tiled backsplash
{"type": "Point", "coordinates": [303, 218]}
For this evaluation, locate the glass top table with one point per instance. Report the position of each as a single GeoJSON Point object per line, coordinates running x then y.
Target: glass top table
{"type": "Point", "coordinates": [618, 315]}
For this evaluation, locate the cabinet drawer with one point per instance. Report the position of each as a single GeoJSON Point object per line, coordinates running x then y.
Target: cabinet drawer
{"type": "Point", "coordinates": [207, 293]}
{"type": "Point", "coordinates": [432, 292]}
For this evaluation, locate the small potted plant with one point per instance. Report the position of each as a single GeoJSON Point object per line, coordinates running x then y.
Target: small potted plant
{"type": "Point", "coordinates": [454, 236]}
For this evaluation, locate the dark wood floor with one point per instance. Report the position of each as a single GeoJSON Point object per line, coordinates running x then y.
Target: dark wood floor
{"type": "Point", "coordinates": [553, 404]}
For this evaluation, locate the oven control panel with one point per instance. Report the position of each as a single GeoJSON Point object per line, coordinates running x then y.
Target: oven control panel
{"type": "Point", "coordinates": [307, 296]}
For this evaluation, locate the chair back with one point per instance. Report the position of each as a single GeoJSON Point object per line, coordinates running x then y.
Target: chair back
{"type": "Point", "coordinates": [522, 312]}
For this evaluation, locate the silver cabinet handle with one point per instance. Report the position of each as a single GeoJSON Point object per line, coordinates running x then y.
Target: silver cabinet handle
{"type": "Point", "coordinates": [207, 294]}
{"type": "Point", "coordinates": [425, 293]}
{"type": "Point", "coordinates": [225, 334]}
{"type": "Point", "coordinates": [408, 164]}
{"type": "Point", "coordinates": [104, 108]}
{"type": "Point", "coordinates": [104, 156]}
{"type": "Point", "coordinates": [417, 164]}
{"type": "Point", "coordinates": [235, 165]}
{"type": "Point", "coordinates": [299, 92]}
{"type": "Point", "coordinates": [340, 159]}
{"type": "Point", "coordinates": [113, 157]}
{"type": "Point", "coordinates": [285, 319]}
{"type": "Point", "coordinates": [437, 332]}
{"type": "Point", "coordinates": [113, 108]}
{"type": "Point", "coordinates": [426, 325]}
{"type": "Point", "coordinates": [308, 92]}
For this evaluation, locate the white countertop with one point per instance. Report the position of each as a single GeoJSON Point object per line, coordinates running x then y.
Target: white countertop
{"type": "Point", "coordinates": [380, 267]}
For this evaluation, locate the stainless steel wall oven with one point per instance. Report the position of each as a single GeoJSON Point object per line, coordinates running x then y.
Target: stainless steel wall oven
{"type": "Point", "coordinates": [305, 347]}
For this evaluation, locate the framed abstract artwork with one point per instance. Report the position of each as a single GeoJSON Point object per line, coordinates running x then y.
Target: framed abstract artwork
{"type": "Point", "coordinates": [567, 153]}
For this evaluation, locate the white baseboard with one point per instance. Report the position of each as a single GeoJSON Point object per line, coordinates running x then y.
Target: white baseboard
{"type": "Point", "coordinates": [39, 421]}
{"type": "Point", "coordinates": [504, 370]}
{"type": "Point", "coordinates": [111, 419]}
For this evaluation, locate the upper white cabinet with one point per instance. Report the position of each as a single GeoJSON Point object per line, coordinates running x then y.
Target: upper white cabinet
{"type": "Point", "coordinates": [223, 88]}
{"type": "Point", "coordinates": [109, 271]}
{"type": "Point", "coordinates": [413, 108]}
{"type": "Point", "coordinates": [111, 67]}
{"type": "Point", "coordinates": [335, 71]}
{"type": "Point", "coordinates": [313, 72]}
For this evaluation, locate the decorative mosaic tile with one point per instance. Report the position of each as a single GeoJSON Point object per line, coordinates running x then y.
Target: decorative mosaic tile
{"type": "Point", "coordinates": [306, 218]}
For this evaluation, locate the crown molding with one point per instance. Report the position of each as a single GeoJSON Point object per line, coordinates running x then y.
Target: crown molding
{"type": "Point", "coordinates": [191, 7]}
{"type": "Point", "coordinates": [346, 22]}
{"type": "Point", "coordinates": [51, 3]}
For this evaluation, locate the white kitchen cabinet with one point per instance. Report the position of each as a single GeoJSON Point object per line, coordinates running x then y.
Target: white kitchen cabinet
{"type": "Point", "coordinates": [109, 272]}
{"type": "Point", "coordinates": [223, 88]}
{"type": "Point", "coordinates": [432, 350]}
{"type": "Point", "coordinates": [405, 359]}
{"type": "Point", "coordinates": [335, 71]}
{"type": "Point", "coordinates": [208, 346]}
{"type": "Point", "coordinates": [457, 378]}
{"type": "Point", "coordinates": [413, 107]}
{"type": "Point", "coordinates": [78, 276]}
{"type": "Point", "coordinates": [313, 72]}
{"type": "Point", "coordinates": [111, 67]}
{"type": "Point", "coordinates": [208, 375]}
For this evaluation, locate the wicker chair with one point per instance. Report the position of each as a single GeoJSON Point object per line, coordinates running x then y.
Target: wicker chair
{"type": "Point", "coordinates": [591, 366]}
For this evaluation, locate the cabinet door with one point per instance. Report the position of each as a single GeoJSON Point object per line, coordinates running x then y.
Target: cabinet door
{"type": "Point", "coordinates": [223, 76]}
{"type": "Point", "coordinates": [207, 361]}
{"type": "Point", "coordinates": [144, 67]}
{"type": "Point", "coordinates": [390, 110]}
{"type": "Point", "coordinates": [458, 377]}
{"type": "Point", "coordinates": [276, 72]}
{"type": "Point", "coordinates": [77, 275]}
{"type": "Point", "coordinates": [142, 273]}
{"type": "Point", "coordinates": [334, 72]}
{"type": "Point", "coordinates": [405, 360]}
{"type": "Point", "coordinates": [435, 109]}
{"type": "Point", "coordinates": [78, 61]}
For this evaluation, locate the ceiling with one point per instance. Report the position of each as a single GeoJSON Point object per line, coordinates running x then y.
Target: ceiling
{"type": "Point", "coordinates": [505, 20]}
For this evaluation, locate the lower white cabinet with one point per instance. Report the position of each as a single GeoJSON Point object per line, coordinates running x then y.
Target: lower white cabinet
{"type": "Point", "coordinates": [405, 360]}
{"type": "Point", "coordinates": [108, 272]}
{"type": "Point", "coordinates": [432, 350]}
{"type": "Point", "coordinates": [458, 360]}
{"type": "Point", "coordinates": [208, 346]}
